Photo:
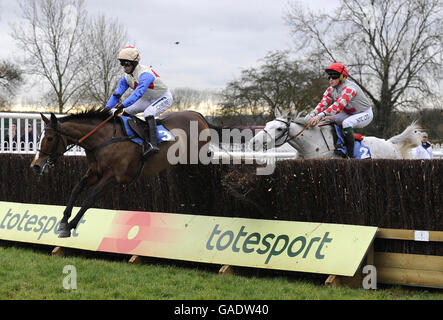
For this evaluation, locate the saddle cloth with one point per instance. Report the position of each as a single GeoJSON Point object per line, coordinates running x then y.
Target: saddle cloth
{"type": "Point", "coordinates": [361, 151]}
{"type": "Point", "coordinates": [163, 134]}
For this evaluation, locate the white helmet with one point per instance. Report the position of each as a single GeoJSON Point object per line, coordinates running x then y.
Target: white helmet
{"type": "Point", "coordinates": [129, 53]}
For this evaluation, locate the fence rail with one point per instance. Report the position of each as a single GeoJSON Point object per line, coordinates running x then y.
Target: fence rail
{"type": "Point", "coordinates": [25, 141]}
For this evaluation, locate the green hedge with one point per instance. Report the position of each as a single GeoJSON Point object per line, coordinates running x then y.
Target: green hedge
{"type": "Point", "coordinates": [403, 194]}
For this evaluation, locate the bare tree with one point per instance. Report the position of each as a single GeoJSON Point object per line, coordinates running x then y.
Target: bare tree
{"type": "Point", "coordinates": [195, 99]}
{"type": "Point", "coordinates": [393, 48]}
{"type": "Point", "coordinates": [51, 39]}
{"type": "Point", "coordinates": [10, 80]}
{"type": "Point", "coordinates": [101, 44]}
{"type": "Point", "coordinates": [277, 82]}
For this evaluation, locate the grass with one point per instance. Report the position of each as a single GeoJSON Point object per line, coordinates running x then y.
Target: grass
{"type": "Point", "coordinates": [34, 274]}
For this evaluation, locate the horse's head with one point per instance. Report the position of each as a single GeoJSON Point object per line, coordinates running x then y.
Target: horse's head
{"type": "Point", "coordinates": [51, 146]}
{"type": "Point", "coordinates": [275, 133]}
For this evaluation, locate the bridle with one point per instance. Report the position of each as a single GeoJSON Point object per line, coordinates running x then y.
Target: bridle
{"type": "Point", "coordinates": [285, 131]}
{"type": "Point", "coordinates": [53, 155]}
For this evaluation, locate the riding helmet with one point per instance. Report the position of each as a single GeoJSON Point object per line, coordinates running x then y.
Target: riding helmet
{"type": "Point", "coordinates": [338, 67]}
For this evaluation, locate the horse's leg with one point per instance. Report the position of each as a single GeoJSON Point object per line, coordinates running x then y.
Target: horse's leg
{"type": "Point", "coordinates": [79, 187]}
{"type": "Point", "coordinates": [94, 192]}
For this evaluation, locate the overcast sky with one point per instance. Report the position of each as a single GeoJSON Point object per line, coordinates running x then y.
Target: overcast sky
{"type": "Point", "coordinates": [217, 39]}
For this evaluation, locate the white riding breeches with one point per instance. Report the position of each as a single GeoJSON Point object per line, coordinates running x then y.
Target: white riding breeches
{"type": "Point", "coordinates": [356, 120]}
{"type": "Point", "coordinates": [151, 108]}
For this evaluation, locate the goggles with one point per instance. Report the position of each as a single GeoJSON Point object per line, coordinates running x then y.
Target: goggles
{"type": "Point", "coordinates": [126, 63]}
{"type": "Point", "coordinates": [333, 76]}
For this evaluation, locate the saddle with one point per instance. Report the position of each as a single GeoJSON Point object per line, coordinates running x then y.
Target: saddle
{"type": "Point", "coordinates": [361, 151]}
{"type": "Point", "coordinates": [138, 125]}
{"type": "Point", "coordinates": [134, 127]}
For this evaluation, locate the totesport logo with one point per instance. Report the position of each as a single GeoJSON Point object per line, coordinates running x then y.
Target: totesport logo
{"type": "Point", "coordinates": [36, 224]}
{"type": "Point", "coordinates": [268, 245]}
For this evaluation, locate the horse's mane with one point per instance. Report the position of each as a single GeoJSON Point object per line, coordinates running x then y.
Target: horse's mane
{"type": "Point", "coordinates": [297, 118]}
{"type": "Point", "coordinates": [91, 113]}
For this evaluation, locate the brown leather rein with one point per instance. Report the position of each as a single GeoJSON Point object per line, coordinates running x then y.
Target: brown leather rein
{"type": "Point", "coordinates": [53, 155]}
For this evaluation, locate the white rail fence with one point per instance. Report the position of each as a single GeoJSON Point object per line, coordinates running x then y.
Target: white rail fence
{"type": "Point", "coordinates": [25, 141]}
{"type": "Point", "coordinates": [28, 143]}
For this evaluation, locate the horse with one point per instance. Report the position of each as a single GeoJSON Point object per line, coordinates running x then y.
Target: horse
{"type": "Point", "coordinates": [318, 141]}
{"type": "Point", "coordinates": [112, 157]}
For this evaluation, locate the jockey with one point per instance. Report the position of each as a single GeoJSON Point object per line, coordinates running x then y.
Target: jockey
{"type": "Point", "coordinates": [150, 96]}
{"type": "Point", "coordinates": [345, 103]}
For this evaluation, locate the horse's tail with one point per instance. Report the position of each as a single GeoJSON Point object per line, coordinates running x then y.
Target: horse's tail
{"type": "Point", "coordinates": [408, 139]}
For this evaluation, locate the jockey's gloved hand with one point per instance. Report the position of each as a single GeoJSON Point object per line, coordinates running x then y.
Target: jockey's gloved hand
{"type": "Point", "coordinates": [117, 109]}
{"type": "Point", "coordinates": [309, 117]}
{"type": "Point", "coordinates": [113, 111]}
{"type": "Point", "coordinates": [313, 121]}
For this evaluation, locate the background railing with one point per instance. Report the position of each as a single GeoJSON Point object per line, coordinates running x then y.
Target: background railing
{"type": "Point", "coordinates": [24, 142]}
{"type": "Point", "coordinates": [28, 143]}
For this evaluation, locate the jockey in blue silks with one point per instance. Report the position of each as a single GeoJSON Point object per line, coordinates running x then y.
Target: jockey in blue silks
{"type": "Point", "coordinates": [150, 96]}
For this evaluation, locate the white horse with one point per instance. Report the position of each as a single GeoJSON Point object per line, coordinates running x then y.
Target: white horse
{"type": "Point", "coordinates": [318, 141]}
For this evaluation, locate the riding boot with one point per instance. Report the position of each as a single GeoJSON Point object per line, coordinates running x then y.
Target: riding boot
{"type": "Point", "coordinates": [349, 141]}
{"type": "Point", "coordinates": [150, 142]}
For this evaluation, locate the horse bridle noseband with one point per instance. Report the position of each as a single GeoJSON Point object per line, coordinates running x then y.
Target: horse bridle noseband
{"type": "Point", "coordinates": [285, 131]}
{"type": "Point", "coordinates": [53, 154]}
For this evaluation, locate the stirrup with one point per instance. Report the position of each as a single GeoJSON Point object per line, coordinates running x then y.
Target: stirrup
{"type": "Point", "coordinates": [148, 149]}
{"type": "Point", "coordinates": [340, 153]}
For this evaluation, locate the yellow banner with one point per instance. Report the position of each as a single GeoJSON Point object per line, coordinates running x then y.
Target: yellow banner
{"type": "Point", "coordinates": [285, 245]}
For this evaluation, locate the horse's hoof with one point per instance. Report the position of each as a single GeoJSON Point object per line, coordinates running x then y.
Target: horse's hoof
{"type": "Point", "coordinates": [63, 230]}
{"type": "Point", "coordinates": [63, 226]}
{"type": "Point", "coordinates": [64, 234]}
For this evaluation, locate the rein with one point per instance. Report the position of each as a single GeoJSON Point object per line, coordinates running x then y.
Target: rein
{"type": "Point", "coordinates": [94, 130]}
{"type": "Point", "coordinates": [295, 136]}
{"type": "Point", "coordinates": [306, 126]}
{"type": "Point", "coordinates": [286, 132]}
{"type": "Point", "coordinates": [289, 138]}
{"type": "Point", "coordinates": [53, 155]}
{"type": "Point", "coordinates": [119, 108]}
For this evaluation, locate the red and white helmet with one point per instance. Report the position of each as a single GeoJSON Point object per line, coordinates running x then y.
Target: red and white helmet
{"type": "Point", "coordinates": [338, 67]}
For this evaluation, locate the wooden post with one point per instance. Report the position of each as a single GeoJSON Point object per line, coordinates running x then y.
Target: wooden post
{"type": "Point", "coordinates": [352, 282]}
{"type": "Point", "coordinates": [58, 251]}
{"type": "Point", "coordinates": [333, 281]}
{"type": "Point", "coordinates": [135, 260]}
{"type": "Point", "coordinates": [370, 255]}
{"type": "Point", "coordinates": [226, 269]}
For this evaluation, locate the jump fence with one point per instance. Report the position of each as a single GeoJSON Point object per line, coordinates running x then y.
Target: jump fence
{"type": "Point", "coordinates": [398, 194]}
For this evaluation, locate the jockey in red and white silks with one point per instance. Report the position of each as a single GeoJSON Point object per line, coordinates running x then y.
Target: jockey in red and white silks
{"type": "Point", "coordinates": [345, 102]}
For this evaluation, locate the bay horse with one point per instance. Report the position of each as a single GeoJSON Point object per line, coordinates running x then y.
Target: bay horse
{"type": "Point", "coordinates": [318, 141]}
{"type": "Point", "coordinates": [112, 157]}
